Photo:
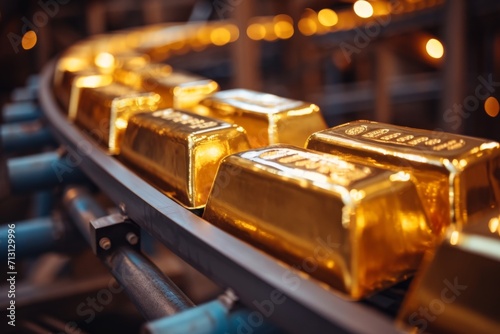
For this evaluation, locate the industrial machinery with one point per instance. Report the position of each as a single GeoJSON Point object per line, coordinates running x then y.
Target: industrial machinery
{"type": "Point", "coordinates": [164, 202]}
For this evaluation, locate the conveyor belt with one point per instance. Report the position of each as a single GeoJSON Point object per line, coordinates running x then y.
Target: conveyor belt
{"type": "Point", "coordinates": [255, 277]}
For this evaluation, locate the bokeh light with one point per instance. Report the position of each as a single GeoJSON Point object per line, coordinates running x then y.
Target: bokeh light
{"type": "Point", "coordinates": [29, 40]}
{"type": "Point", "coordinates": [491, 106]}
{"type": "Point", "coordinates": [434, 48]}
{"type": "Point", "coordinates": [328, 17]}
{"type": "Point", "coordinates": [363, 8]}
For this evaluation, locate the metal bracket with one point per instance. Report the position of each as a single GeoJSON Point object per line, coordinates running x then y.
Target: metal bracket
{"type": "Point", "coordinates": [110, 232]}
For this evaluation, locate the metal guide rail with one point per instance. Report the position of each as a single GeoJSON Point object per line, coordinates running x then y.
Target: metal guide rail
{"type": "Point", "coordinates": [289, 298]}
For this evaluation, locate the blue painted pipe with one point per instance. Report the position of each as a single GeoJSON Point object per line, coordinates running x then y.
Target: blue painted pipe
{"type": "Point", "coordinates": [24, 136]}
{"type": "Point", "coordinates": [20, 112]}
{"type": "Point", "coordinates": [32, 237]}
{"type": "Point", "coordinates": [211, 318]}
{"type": "Point", "coordinates": [41, 171]}
{"type": "Point", "coordinates": [28, 93]}
{"type": "Point", "coordinates": [204, 319]}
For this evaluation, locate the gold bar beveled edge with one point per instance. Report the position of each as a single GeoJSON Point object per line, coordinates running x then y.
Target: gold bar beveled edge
{"type": "Point", "coordinates": [161, 184]}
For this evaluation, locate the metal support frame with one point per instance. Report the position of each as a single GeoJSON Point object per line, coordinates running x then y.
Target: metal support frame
{"type": "Point", "coordinates": [111, 232]}
{"type": "Point", "coordinates": [154, 294]}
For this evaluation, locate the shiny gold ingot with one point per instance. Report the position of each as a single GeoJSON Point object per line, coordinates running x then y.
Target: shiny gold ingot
{"type": "Point", "coordinates": [177, 89]}
{"type": "Point", "coordinates": [81, 62]}
{"type": "Point", "coordinates": [84, 82]}
{"type": "Point", "coordinates": [456, 290]}
{"type": "Point", "coordinates": [108, 63]}
{"type": "Point", "coordinates": [68, 69]}
{"type": "Point", "coordinates": [457, 176]}
{"type": "Point", "coordinates": [135, 75]}
{"type": "Point", "coordinates": [355, 227]}
{"type": "Point", "coordinates": [268, 119]}
{"type": "Point", "coordinates": [180, 151]}
{"type": "Point", "coordinates": [104, 111]}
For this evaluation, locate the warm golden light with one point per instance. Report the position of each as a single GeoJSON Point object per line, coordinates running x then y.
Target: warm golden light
{"type": "Point", "coordinates": [327, 17]}
{"type": "Point", "coordinates": [381, 8]}
{"type": "Point", "coordinates": [307, 26]}
{"type": "Point", "coordinates": [178, 45]}
{"type": "Point", "coordinates": [493, 224]}
{"type": "Point", "coordinates": [283, 17]}
{"type": "Point", "coordinates": [434, 48]}
{"type": "Point", "coordinates": [220, 36]}
{"type": "Point", "coordinates": [105, 60]}
{"type": "Point", "coordinates": [454, 237]}
{"type": "Point", "coordinates": [363, 8]}
{"type": "Point", "coordinates": [270, 34]}
{"type": "Point", "coordinates": [93, 81]}
{"type": "Point", "coordinates": [121, 123]}
{"type": "Point", "coordinates": [283, 26]}
{"type": "Point", "coordinates": [203, 35]}
{"type": "Point", "coordinates": [73, 64]}
{"type": "Point", "coordinates": [283, 29]}
{"type": "Point", "coordinates": [491, 106]}
{"type": "Point", "coordinates": [256, 31]}
{"type": "Point", "coordinates": [29, 40]}
{"type": "Point", "coordinates": [233, 31]}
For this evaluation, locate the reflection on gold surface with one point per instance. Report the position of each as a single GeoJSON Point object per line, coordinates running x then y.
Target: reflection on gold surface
{"type": "Point", "coordinates": [180, 151]}
{"type": "Point", "coordinates": [177, 89]}
{"type": "Point", "coordinates": [135, 74]}
{"type": "Point", "coordinates": [105, 60]}
{"type": "Point", "coordinates": [105, 110]}
{"type": "Point", "coordinates": [457, 176]}
{"type": "Point", "coordinates": [268, 119]}
{"type": "Point", "coordinates": [360, 227]}
{"type": "Point", "coordinates": [82, 81]}
{"type": "Point", "coordinates": [68, 68]}
{"type": "Point", "coordinates": [458, 285]}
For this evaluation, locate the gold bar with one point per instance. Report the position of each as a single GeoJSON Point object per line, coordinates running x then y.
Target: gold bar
{"type": "Point", "coordinates": [457, 176]}
{"type": "Point", "coordinates": [355, 227]}
{"type": "Point", "coordinates": [108, 63]}
{"type": "Point", "coordinates": [135, 75]}
{"type": "Point", "coordinates": [456, 290]}
{"type": "Point", "coordinates": [104, 110]}
{"type": "Point", "coordinates": [180, 151]}
{"type": "Point", "coordinates": [80, 61]}
{"type": "Point", "coordinates": [84, 81]}
{"type": "Point", "coordinates": [177, 89]}
{"type": "Point", "coordinates": [68, 69]}
{"type": "Point", "coordinates": [268, 119]}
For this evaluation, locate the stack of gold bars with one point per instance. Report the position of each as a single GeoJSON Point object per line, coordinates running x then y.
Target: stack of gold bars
{"type": "Point", "coordinates": [387, 200]}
